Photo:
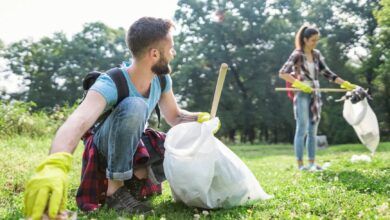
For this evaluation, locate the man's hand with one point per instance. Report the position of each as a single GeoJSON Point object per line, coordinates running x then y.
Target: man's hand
{"type": "Point", "coordinates": [302, 86]}
{"type": "Point", "coordinates": [347, 85]}
{"type": "Point", "coordinates": [48, 187]}
{"type": "Point", "coordinates": [205, 116]}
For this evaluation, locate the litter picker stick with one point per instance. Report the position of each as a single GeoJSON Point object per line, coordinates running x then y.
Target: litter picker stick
{"type": "Point", "coordinates": [319, 90]}
{"type": "Point", "coordinates": [218, 89]}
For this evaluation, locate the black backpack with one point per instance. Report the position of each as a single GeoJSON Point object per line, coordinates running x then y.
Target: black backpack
{"type": "Point", "coordinates": [121, 85]}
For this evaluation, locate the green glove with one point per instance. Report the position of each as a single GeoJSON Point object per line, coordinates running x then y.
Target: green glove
{"type": "Point", "coordinates": [302, 86]}
{"type": "Point", "coordinates": [205, 116]}
{"type": "Point", "coordinates": [48, 187]}
{"type": "Point", "coordinates": [347, 85]}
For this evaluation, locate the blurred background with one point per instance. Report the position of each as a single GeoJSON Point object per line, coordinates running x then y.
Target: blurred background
{"type": "Point", "coordinates": [47, 47]}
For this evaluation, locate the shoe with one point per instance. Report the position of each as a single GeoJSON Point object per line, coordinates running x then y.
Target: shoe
{"type": "Point", "coordinates": [315, 168]}
{"type": "Point", "coordinates": [134, 185]}
{"type": "Point", "coordinates": [302, 168]}
{"type": "Point", "coordinates": [123, 201]}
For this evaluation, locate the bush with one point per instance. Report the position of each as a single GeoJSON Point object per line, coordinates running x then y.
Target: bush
{"type": "Point", "coordinates": [18, 118]}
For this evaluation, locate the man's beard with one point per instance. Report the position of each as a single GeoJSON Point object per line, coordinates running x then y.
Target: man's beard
{"type": "Point", "coordinates": [162, 67]}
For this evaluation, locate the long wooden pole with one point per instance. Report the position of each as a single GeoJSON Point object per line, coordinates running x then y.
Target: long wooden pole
{"type": "Point", "coordinates": [218, 89]}
{"type": "Point", "coordinates": [319, 90]}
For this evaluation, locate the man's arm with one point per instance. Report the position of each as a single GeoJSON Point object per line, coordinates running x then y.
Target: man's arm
{"type": "Point", "coordinates": [173, 114]}
{"type": "Point", "coordinates": [69, 134]}
{"type": "Point", "coordinates": [47, 188]}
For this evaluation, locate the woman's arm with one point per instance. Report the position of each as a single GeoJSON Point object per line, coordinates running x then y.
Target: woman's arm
{"type": "Point", "coordinates": [324, 69]}
{"type": "Point", "coordinates": [287, 77]}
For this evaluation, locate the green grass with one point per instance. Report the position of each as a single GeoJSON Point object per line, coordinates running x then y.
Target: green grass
{"type": "Point", "coordinates": [345, 191]}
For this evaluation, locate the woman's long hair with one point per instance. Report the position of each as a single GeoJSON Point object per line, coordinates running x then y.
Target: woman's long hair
{"type": "Point", "coordinates": [305, 31]}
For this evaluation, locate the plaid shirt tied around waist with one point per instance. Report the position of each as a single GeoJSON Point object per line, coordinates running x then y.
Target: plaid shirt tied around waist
{"type": "Point", "coordinates": [91, 193]}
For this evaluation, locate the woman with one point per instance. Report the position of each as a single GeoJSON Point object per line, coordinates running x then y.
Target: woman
{"type": "Point", "coordinates": [302, 70]}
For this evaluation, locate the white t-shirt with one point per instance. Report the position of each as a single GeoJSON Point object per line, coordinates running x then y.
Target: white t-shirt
{"type": "Point", "coordinates": [311, 69]}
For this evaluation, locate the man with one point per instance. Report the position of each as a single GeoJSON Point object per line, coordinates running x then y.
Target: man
{"type": "Point", "coordinates": [151, 44]}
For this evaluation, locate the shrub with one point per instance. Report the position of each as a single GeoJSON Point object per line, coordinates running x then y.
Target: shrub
{"type": "Point", "coordinates": [18, 118]}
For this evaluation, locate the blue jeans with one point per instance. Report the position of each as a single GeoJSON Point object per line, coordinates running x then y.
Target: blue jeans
{"type": "Point", "coordinates": [117, 139]}
{"type": "Point", "coordinates": [304, 127]}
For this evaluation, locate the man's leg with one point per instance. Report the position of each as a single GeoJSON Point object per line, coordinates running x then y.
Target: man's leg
{"type": "Point", "coordinates": [117, 140]}
{"type": "Point", "coordinates": [141, 172]}
{"type": "Point", "coordinates": [149, 172]}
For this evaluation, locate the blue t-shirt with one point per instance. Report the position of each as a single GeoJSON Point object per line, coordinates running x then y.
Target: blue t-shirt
{"type": "Point", "coordinates": [106, 87]}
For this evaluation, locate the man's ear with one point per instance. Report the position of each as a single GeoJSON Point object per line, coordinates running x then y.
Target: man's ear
{"type": "Point", "coordinates": [154, 54]}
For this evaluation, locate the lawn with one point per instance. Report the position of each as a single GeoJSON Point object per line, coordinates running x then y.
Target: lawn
{"type": "Point", "coordinates": [346, 190]}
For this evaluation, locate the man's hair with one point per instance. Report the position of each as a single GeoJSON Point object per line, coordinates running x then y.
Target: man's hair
{"type": "Point", "coordinates": [305, 31]}
{"type": "Point", "coordinates": [146, 32]}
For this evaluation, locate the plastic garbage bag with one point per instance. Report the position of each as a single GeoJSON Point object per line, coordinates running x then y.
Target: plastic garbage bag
{"type": "Point", "coordinates": [203, 172]}
{"type": "Point", "coordinates": [360, 116]}
{"type": "Point", "coordinates": [354, 113]}
{"type": "Point", "coordinates": [358, 158]}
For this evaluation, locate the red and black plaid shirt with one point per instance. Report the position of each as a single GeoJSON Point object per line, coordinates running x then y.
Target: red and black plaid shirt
{"type": "Point", "coordinates": [91, 193]}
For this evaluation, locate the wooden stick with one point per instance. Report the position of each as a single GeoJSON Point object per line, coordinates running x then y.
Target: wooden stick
{"type": "Point", "coordinates": [218, 89]}
{"type": "Point", "coordinates": [319, 90]}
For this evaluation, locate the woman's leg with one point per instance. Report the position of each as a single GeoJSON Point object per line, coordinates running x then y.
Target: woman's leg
{"type": "Point", "coordinates": [311, 141]}
{"type": "Point", "coordinates": [302, 117]}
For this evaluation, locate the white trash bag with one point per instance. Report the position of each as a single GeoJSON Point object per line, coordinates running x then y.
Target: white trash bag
{"type": "Point", "coordinates": [203, 172]}
{"type": "Point", "coordinates": [360, 116]}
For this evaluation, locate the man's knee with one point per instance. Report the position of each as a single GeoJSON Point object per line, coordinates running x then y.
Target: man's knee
{"type": "Point", "coordinates": [132, 110]}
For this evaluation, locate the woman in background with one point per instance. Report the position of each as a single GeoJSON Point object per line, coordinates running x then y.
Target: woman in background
{"type": "Point", "coordinates": [302, 70]}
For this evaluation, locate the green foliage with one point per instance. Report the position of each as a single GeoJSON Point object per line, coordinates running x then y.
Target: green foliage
{"type": "Point", "coordinates": [346, 190]}
{"type": "Point", "coordinates": [242, 35]}
{"type": "Point", "coordinates": [255, 38]}
{"type": "Point", "coordinates": [53, 68]}
{"type": "Point", "coordinates": [19, 119]}
{"type": "Point", "coordinates": [383, 15]}
{"type": "Point", "coordinates": [380, 60]}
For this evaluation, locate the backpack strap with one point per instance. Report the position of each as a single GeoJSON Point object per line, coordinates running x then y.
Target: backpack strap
{"type": "Point", "coordinates": [90, 79]}
{"type": "Point", "coordinates": [122, 89]}
{"type": "Point", "coordinates": [120, 82]}
{"type": "Point", "coordinates": [163, 82]}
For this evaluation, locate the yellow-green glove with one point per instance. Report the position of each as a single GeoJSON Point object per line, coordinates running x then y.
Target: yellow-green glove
{"type": "Point", "coordinates": [302, 86]}
{"type": "Point", "coordinates": [48, 187]}
{"type": "Point", "coordinates": [205, 116]}
{"type": "Point", "coordinates": [347, 85]}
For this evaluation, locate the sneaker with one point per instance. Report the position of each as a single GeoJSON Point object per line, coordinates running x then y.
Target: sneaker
{"type": "Point", "coordinates": [315, 168]}
{"type": "Point", "coordinates": [302, 168]}
{"type": "Point", "coordinates": [134, 185]}
{"type": "Point", "coordinates": [123, 201]}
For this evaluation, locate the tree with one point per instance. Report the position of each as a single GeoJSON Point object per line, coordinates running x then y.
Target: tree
{"type": "Point", "coordinates": [240, 34]}
{"type": "Point", "coordinates": [381, 55]}
{"type": "Point", "coordinates": [255, 38]}
{"type": "Point", "coordinates": [53, 68]}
